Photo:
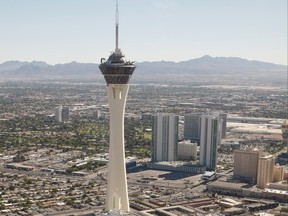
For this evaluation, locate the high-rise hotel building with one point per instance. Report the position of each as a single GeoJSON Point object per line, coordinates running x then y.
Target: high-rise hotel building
{"type": "Point", "coordinates": [62, 114]}
{"type": "Point", "coordinates": [164, 137]}
{"type": "Point", "coordinates": [265, 170]}
{"type": "Point", "coordinates": [246, 164]}
{"type": "Point", "coordinates": [192, 127]}
{"type": "Point", "coordinates": [209, 140]}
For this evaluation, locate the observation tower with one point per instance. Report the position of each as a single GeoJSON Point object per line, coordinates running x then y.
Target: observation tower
{"type": "Point", "coordinates": [117, 72]}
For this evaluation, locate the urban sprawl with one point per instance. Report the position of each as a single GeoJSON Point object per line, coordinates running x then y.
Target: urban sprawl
{"type": "Point", "coordinates": [190, 149]}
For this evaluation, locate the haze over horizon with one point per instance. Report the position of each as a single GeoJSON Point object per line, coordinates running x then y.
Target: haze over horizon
{"type": "Point", "coordinates": [152, 30]}
{"type": "Point", "coordinates": [152, 61]}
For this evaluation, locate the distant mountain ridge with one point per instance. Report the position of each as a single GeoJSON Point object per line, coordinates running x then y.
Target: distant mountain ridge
{"type": "Point", "coordinates": [42, 70]}
{"type": "Point", "coordinates": [195, 68]}
{"type": "Point", "coordinates": [208, 63]}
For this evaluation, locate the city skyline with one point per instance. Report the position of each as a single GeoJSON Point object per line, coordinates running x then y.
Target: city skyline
{"type": "Point", "coordinates": [65, 162]}
{"type": "Point", "coordinates": [61, 32]}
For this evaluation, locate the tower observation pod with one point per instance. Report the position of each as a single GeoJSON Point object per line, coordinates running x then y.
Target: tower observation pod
{"type": "Point", "coordinates": [117, 72]}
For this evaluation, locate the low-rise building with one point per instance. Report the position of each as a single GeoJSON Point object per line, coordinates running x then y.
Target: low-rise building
{"type": "Point", "coordinates": [177, 166]}
{"type": "Point", "coordinates": [187, 150]}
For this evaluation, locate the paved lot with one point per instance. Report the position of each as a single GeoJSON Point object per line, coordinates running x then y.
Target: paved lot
{"type": "Point", "coordinates": [162, 178]}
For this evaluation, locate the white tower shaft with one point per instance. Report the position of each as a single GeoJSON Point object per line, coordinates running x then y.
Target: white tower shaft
{"type": "Point", "coordinates": [117, 195]}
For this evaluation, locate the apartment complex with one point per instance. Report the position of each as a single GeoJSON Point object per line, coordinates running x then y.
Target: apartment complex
{"type": "Point", "coordinates": [209, 140]}
{"type": "Point", "coordinates": [192, 127]}
{"type": "Point", "coordinates": [164, 137]}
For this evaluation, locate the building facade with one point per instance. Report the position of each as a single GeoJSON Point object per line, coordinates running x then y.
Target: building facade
{"type": "Point", "coordinates": [192, 127]}
{"type": "Point", "coordinates": [246, 164]}
{"type": "Point", "coordinates": [278, 174]}
{"type": "Point", "coordinates": [187, 150]}
{"type": "Point", "coordinates": [285, 132]}
{"type": "Point", "coordinates": [170, 166]}
{"type": "Point", "coordinates": [223, 124]}
{"type": "Point", "coordinates": [265, 170]}
{"type": "Point", "coordinates": [209, 140]}
{"type": "Point", "coordinates": [164, 137]}
{"type": "Point", "coordinates": [62, 114]}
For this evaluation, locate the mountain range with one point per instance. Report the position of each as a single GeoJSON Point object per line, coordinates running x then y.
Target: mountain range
{"type": "Point", "coordinates": [204, 69]}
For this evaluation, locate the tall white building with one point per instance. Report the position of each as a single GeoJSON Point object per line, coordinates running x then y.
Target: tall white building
{"type": "Point", "coordinates": [187, 150]}
{"type": "Point", "coordinates": [62, 114]}
{"type": "Point", "coordinates": [164, 137]}
{"type": "Point", "coordinates": [209, 140]}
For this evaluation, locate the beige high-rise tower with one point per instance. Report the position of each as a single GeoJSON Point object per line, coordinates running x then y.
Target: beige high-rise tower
{"type": "Point", "coordinates": [246, 163]}
{"type": "Point", "coordinates": [117, 73]}
{"type": "Point", "coordinates": [265, 170]}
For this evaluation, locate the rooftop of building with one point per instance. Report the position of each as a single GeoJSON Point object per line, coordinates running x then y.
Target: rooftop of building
{"type": "Point", "coordinates": [267, 157]}
{"type": "Point", "coordinates": [209, 173]}
{"type": "Point", "coordinates": [247, 151]}
{"type": "Point", "coordinates": [225, 184]}
{"type": "Point", "coordinates": [176, 163]}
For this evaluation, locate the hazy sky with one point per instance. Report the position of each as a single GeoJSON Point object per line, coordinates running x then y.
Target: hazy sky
{"type": "Point", "coordinates": [61, 31]}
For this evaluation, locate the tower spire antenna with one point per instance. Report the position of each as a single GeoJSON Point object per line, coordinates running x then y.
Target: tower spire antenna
{"type": "Point", "coordinates": [117, 26]}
